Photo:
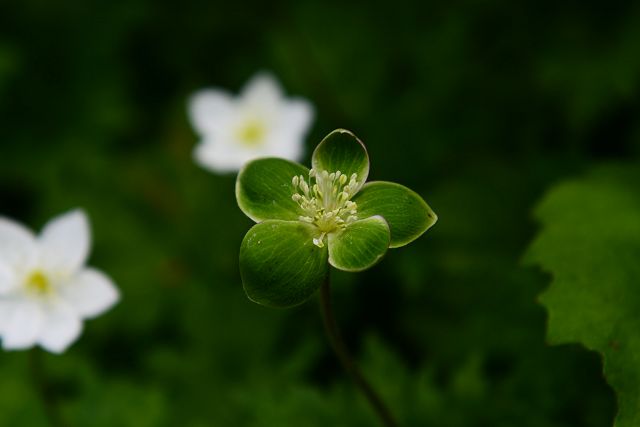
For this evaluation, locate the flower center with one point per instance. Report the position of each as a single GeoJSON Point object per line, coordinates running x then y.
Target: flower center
{"type": "Point", "coordinates": [37, 283]}
{"type": "Point", "coordinates": [326, 203]}
{"type": "Point", "coordinates": [251, 133]}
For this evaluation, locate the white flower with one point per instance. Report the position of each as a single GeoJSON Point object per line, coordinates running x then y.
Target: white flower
{"type": "Point", "coordinates": [45, 289]}
{"type": "Point", "coordinates": [260, 122]}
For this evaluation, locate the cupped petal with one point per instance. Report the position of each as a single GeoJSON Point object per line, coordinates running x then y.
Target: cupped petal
{"type": "Point", "coordinates": [62, 326]}
{"type": "Point", "coordinates": [360, 245]}
{"type": "Point", "coordinates": [262, 90]}
{"type": "Point", "coordinates": [23, 324]}
{"type": "Point", "coordinates": [342, 151]}
{"type": "Point", "coordinates": [210, 110]}
{"type": "Point", "coordinates": [407, 214]}
{"type": "Point", "coordinates": [264, 188]}
{"type": "Point", "coordinates": [279, 264]}
{"type": "Point", "coordinates": [65, 242]}
{"type": "Point", "coordinates": [18, 247]}
{"type": "Point", "coordinates": [90, 292]}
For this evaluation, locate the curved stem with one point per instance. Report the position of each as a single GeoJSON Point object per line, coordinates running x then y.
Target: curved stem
{"type": "Point", "coordinates": [43, 389]}
{"type": "Point", "coordinates": [335, 337]}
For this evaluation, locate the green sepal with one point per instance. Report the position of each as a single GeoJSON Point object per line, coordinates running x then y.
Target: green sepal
{"type": "Point", "coordinates": [360, 245]}
{"type": "Point", "coordinates": [407, 214]}
{"type": "Point", "coordinates": [264, 189]}
{"type": "Point", "coordinates": [342, 151]}
{"type": "Point", "coordinates": [279, 264]}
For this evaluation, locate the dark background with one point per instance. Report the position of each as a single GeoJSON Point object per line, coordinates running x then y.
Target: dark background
{"type": "Point", "coordinates": [478, 106]}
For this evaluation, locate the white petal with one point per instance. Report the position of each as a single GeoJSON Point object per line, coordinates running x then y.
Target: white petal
{"type": "Point", "coordinates": [17, 245]}
{"type": "Point", "coordinates": [219, 157]}
{"type": "Point", "coordinates": [285, 147]}
{"type": "Point", "coordinates": [209, 110]}
{"type": "Point", "coordinates": [8, 278]}
{"type": "Point", "coordinates": [296, 117]}
{"type": "Point", "coordinates": [287, 138]}
{"type": "Point", "coordinates": [262, 90]}
{"type": "Point", "coordinates": [6, 310]}
{"type": "Point", "coordinates": [64, 243]}
{"type": "Point", "coordinates": [62, 326]}
{"type": "Point", "coordinates": [23, 325]}
{"type": "Point", "coordinates": [90, 293]}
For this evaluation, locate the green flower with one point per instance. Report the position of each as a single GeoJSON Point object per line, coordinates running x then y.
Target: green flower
{"type": "Point", "coordinates": [308, 219]}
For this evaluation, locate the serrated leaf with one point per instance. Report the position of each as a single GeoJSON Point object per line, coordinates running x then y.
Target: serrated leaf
{"type": "Point", "coordinates": [342, 151]}
{"type": "Point", "coordinates": [407, 214]}
{"type": "Point", "coordinates": [264, 189]}
{"type": "Point", "coordinates": [360, 245]}
{"type": "Point", "coordinates": [590, 242]}
{"type": "Point", "coordinates": [279, 264]}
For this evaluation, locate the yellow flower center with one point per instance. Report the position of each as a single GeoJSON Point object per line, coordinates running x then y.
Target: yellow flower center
{"type": "Point", "coordinates": [38, 283]}
{"type": "Point", "coordinates": [251, 133]}
{"type": "Point", "coordinates": [326, 203]}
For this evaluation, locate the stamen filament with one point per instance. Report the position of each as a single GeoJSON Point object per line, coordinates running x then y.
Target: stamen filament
{"type": "Point", "coordinates": [326, 203]}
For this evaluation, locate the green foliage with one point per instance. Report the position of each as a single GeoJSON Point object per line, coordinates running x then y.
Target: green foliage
{"type": "Point", "coordinates": [590, 242]}
{"type": "Point", "coordinates": [480, 106]}
{"type": "Point", "coordinates": [20, 404]}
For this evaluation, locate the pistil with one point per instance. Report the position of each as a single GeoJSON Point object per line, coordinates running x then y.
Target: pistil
{"type": "Point", "coordinates": [37, 283]}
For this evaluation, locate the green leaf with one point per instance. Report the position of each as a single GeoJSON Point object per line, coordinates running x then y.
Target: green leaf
{"type": "Point", "coordinates": [264, 189]}
{"type": "Point", "coordinates": [360, 245]}
{"type": "Point", "coordinates": [279, 264]}
{"type": "Point", "coordinates": [342, 151]}
{"type": "Point", "coordinates": [590, 242]}
{"type": "Point", "coordinates": [407, 214]}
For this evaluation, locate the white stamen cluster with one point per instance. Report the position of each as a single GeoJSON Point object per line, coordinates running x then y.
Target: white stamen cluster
{"type": "Point", "coordinates": [326, 203]}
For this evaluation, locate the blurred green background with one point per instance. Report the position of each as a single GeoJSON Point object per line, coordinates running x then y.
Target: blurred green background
{"type": "Point", "coordinates": [478, 106]}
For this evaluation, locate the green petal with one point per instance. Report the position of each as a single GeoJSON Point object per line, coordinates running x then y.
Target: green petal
{"type": "Point", "coordinates": [407, 214]}
{"type": "Point", "coordinates": [342, 151]}
{"type": "Point", "coordinates": [360, 245]}
{"type": "Point", "coordinates": [279, 264]}
{"type": "Point", "coordinates": [264, 189]}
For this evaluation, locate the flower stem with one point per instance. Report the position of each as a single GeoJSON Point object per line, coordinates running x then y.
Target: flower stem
{"type": "Point", "coordinates": [339, 347]}
{"type": "Point", "coordinates": [43, 389]}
